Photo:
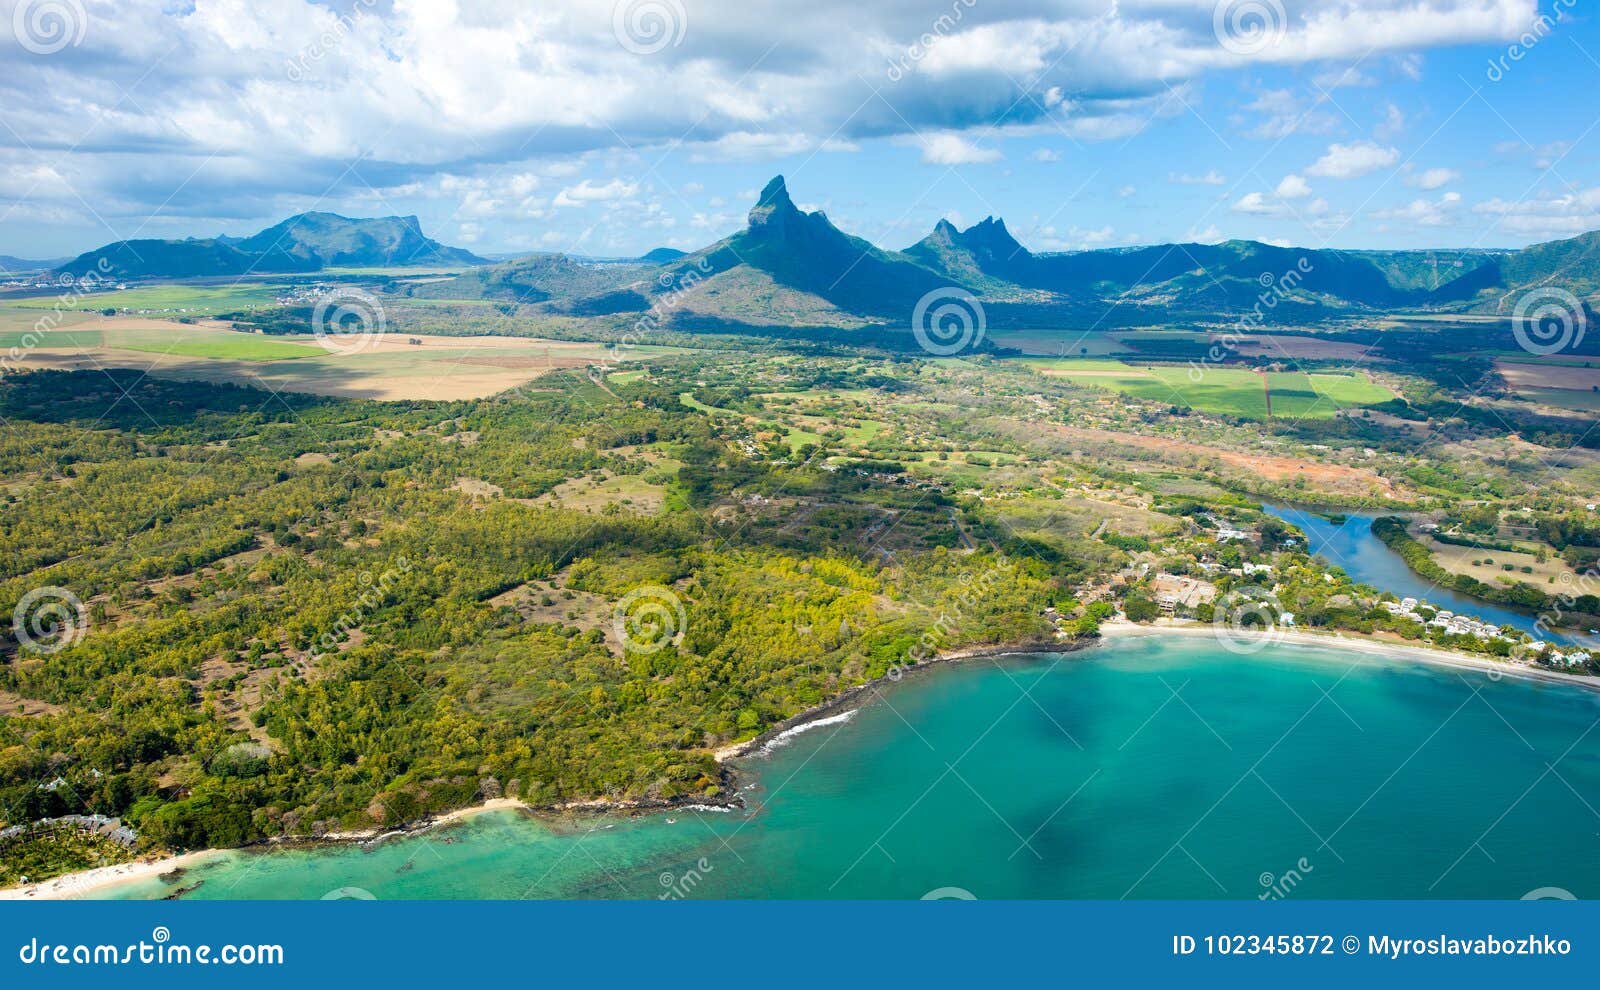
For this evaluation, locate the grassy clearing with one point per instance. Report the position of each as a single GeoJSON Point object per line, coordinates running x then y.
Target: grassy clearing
{"type": "Point", "coordinates": [50, 338]}
{"type": "Point", "coordinates": [1225, 391]}
{"type": "Point", "coordinates": [190, 299]}
{"type": "Point", "coordinates": [227, 345]}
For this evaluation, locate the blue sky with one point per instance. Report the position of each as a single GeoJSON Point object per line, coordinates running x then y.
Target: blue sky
{"type": "Point", "coordinates": [608, 127]}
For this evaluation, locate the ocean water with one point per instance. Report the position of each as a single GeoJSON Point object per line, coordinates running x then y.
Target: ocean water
{"type": "Point", "coordinates": [1159, 767]}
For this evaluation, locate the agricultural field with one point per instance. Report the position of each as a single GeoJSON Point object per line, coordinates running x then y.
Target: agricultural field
{"type": "Point", "coordinates": [392, 367]}
{"type": "Point", "coordinates": [1225, 391]}
{"type": "Point", "coordinates": [176, 299]}
{"type": "Point", "coordinates": [1564, 384]}
{"type": "Point", "coordinates": [1489, 566]}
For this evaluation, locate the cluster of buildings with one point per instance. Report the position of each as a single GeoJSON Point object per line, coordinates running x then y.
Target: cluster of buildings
{"type": "Point", "coordinates": [1443, 620]}
{"type": "Point", "coordinates": [100, 825]}
{"type": "Point", "coordinates": [1558, 658]}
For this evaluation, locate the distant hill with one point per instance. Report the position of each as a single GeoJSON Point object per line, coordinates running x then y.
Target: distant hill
{"type": "Point", "coordinates": [305, 243]}
{"type": "Point", "coordinates": [332, 241]}
{"type": "Point", "coordinates": [540, 278]}
{"type": "Point", "coordinates": [1572, 264]}
{"type": "Point", "coordinates": [662, 255]}
{"type": "Point", "coordinates": [10, 265]}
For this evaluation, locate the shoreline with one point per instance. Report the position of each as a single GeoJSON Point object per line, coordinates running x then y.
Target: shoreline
{"type": "Point", "coordinates": [90, 882]}
{"type": "Point", "coordinates": [1369, 645]}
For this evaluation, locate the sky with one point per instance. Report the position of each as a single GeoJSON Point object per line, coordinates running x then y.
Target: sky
{"type": "Point", "coordinates": [610, 127]}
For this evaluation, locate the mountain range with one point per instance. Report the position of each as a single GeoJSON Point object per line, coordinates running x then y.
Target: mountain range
{"type": "Point", "coordinates": [790, 267]}
{"type": "Point", "coordinates": [308, 242]}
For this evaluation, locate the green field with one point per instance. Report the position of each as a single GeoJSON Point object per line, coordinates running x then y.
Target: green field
{"type": "Point", "coordinates": [1224, 391]}
{"type": "Point", "coordinates": [50, 338]}
{"type": "Point", "coordinates": [196, 300]}
{"type": "Point", "coordinates": [229, 345]}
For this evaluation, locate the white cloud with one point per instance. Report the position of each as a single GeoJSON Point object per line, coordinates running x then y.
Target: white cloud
{"type": "Point", "coordinates": [1394, 122]}
{"type": "Point", "coordinates": [1293, 187]}
{"type": "Point", "coordinates": [1211, 178]}
{"type": "Point", "coordinates": [587, 192]}
{"type": "Point", "coordinates": [953, 149]}
{"type": "Point", "coordinates": [236, 110]}
{"type": "Point", "coordinates": [1255, 204]}
{"type": "Point", "coordinates": [1350, 161]}
{"type": "Point", "coordinates": [1571, 213]}
{"type": "Point", "coordinates": [1433, 178]}
{"type": "Point", "coordinates": [1424, 213]}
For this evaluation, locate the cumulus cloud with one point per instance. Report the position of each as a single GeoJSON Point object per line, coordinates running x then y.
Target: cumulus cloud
{"type": "Point", "coordinates": [588, 191]}
{"type": "Point", "coordinates": [953, 149]}
{"type": "Point", "coordinates": [1423, 212]}
{"type": "Point", "coordinates": [1350, 161]}
{"type": "Point", "coordinates": [240, 109]}
{"type": "Point", "coordinates": [1433, 178]}
{"type": "Point", "coordinates": [1293, 187]}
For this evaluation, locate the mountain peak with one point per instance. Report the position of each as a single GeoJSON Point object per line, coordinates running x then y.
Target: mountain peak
{"type": "Point", "coordinates": [774, 206]}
